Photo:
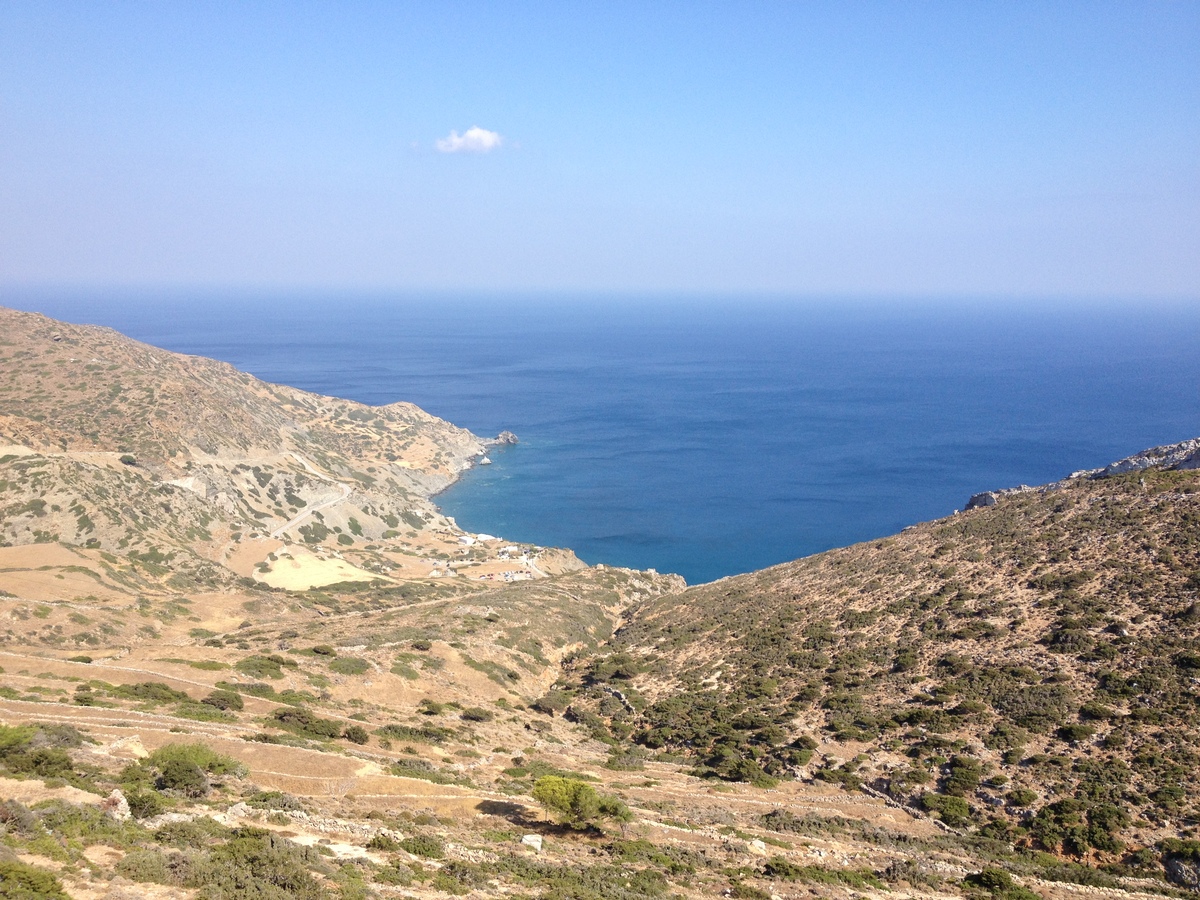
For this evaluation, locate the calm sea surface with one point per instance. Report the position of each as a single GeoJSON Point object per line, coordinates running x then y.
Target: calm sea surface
{"type": "Point", "coordinates": [714, 437]}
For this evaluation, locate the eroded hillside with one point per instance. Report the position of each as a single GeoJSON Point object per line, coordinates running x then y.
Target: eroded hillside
{"type": "Point", "coordinates": [242, 655]}
{"type": "Point", "coordinates": [136, 457]}
{"type": "Point", "coordinates": [1029, 671]}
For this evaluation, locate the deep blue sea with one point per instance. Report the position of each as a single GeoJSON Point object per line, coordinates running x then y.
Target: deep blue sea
{"type": "Point", "coordinates": [714, 436]}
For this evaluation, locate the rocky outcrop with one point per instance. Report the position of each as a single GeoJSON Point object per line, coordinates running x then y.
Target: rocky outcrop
{"type": "Point", "coordinates": [990, 498]}
{"type": "Point", "coordinates": [1184, 455]}
{"type": "Point", "coordinates": [1183, 870]}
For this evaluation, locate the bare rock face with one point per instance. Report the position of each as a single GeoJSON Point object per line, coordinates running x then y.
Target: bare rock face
{"type": "Point", "coordinates": [505, 438]}
{"type": "Point", "coordinates": [115, 806]}
{"type": "Point", "coordinates": [990, 498]}
{"type": "Point", "coordinates": [1184, 455]}
{"type": "Point", "coordinates": [1183, 871]}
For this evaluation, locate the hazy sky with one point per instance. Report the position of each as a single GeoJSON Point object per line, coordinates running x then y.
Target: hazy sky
{"type": "Point", "coordinates": [859, 148]}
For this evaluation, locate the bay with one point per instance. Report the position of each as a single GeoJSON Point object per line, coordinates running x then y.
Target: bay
{"type": "Point", "coordinates": [711, 436]}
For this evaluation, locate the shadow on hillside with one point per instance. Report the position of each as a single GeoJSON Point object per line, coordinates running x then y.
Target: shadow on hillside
{"type": "Point", "coordinates": [523, 817]}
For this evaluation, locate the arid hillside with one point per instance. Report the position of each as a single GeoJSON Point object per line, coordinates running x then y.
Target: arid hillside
{"type": "Point", "coordinates": [243, 656]}
{"type": "Point", "coordinates": [1028, 670]}
{"type": "Point", "coordinates": [136, 457]}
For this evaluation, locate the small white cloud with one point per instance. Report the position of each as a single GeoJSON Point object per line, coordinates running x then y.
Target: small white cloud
{"type": "Point", "coordinates": [473, 140]}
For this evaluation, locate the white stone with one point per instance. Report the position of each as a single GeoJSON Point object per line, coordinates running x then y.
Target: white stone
{"type": "Point", "coordinates": [116, 807]}
{"type": "Point", "coordinates": [534, 841]}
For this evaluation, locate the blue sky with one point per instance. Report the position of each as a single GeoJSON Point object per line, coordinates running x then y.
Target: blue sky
{"type": "Point", "coordinates": [896, 149]}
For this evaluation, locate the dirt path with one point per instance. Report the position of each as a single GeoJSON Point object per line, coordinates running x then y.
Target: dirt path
{"type": "Point", "coordinates": [324, 504]}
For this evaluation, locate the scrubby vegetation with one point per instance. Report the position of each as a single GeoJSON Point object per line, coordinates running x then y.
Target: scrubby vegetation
{"type": "Point", "coordinates": [1028, 670]}
{"type": "Point", "coordinates": [999, 703]}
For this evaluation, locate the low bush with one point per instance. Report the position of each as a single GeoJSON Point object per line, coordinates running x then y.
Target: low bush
{"type": "Point", "coordinates": [785, 870]}
{"type": "Point", "coordinates": [424, 845]}
{"type": "Point", "coordinates": [270, 666]}
{"type": "Point", "coordinates": [199, 755]}
{"type": "Point", "coordinates": [193, 834]}
{"type": "Point", "coordinates": [183, 777]}
{"type": "Point", "coordinates": [356, 734]}
{"type": "Point", "coordinates": [225, 700]}
{"type": "Point", "coordinates": [954, 811]}
{"type": "Point", "coordinates": [301, 721]}
{"type": "Point", "coordinates": [274, 800]}
{"type": "Point", "coordinates": [349, 665]}
{"type": "Point", "coordinates": [150, 692]}
{"type": "Point", "coordinates": [477, 714]}
{"type": "Point", "coordinates": [383, 841]}
{"type": "Point", "coordinates": [19, 881]}
{"type": "Point", "coordinates": [999, 884]}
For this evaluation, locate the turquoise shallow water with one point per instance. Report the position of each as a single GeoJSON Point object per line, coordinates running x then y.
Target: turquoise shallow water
{"type": "Point", "coordinates": [715, 437]}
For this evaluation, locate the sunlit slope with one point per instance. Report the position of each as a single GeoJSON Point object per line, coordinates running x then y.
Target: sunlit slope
{"type": "Point", "coordinates": [1031, 668]}
{"type": "Point", "coordinates": [193, 473]}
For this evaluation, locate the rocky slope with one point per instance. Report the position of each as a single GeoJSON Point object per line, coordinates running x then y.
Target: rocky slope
{"type": "Point", "coordinates": [243, 656]}
{"type": "Point", "coordinates": [114, 446]}
{"type": "Point", "coordinates": [1028, 669]}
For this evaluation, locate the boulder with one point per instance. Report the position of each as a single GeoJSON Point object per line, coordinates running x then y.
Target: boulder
{"type": "Point", "coordinates": [534, 841]}
{"type": "Point", "coordinates": [116, 807]}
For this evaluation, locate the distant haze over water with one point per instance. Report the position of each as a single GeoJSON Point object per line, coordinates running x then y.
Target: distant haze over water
{"type": "Point", "coordinates": [712, 437]}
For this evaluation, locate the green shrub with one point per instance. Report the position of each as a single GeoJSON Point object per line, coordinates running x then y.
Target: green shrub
{"type": "Point", "coordinates": [193, 834]}
{"type": "Point", "coordinates": [306, 723]}
{"type": "Point", "coordinates": [424, 845]}
{"type": "Point", "coordinates": [270, 666]}
{"type": "Point", "coordinates": [349, 665]}
{"type": "Point", "coordinates": [785, 870]}
{"type": "Point", "coordinates": [739, 890]}
{"type": "Point", "coordinates": [253, 688]}
{"type": "Point", "coordinates": [258, 865]}
{"type": "Point", "coordinates": [145, 865]}
{"type": "Point", "coordinates": [203, 712]}
{"type": "Point", "coordinates": [144, 804]}
{"type": "Point", "coordinates": [383, 841]}
{"type": "Point", "coordinates": [19, 881]}
{"type": "Point", "coordinates": [577, 802]}
{"type": "Point", "coordinates": [183, 777]}
{"type": "Point", "coordinates": [150, 691]}
{"type": "Point", "coordinates": [574, 801]}
{"type": "Point", "coordinates": [477, 714]}
{"type": "Point", "coordinates": [990, 880]}
{"type": "Point", "coordinates": [396, 874]}
{"type": "Point", "coordinates": [199, 755]}
{"type": "Point", "coordinates": [954, 811]}
{"type": "Point", "coordinates": [426, 734]}
{"type": "Point", "coordinates": [551, 703]}
{"type": "Point", "coordinates": [999, 884]}
{"type": "Point", "coordinates": [1020, 797]}
{"type": "Point", "coordinates": [225, 700]}
{"type": "Point", "coordinates": [356, 734]}
{"type": "Point", "coordinates": [1073, 734]}
{"type": "Point", "coordinates": [963, 776]}
{"type": "Point", "coordinates": [274, 800]}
